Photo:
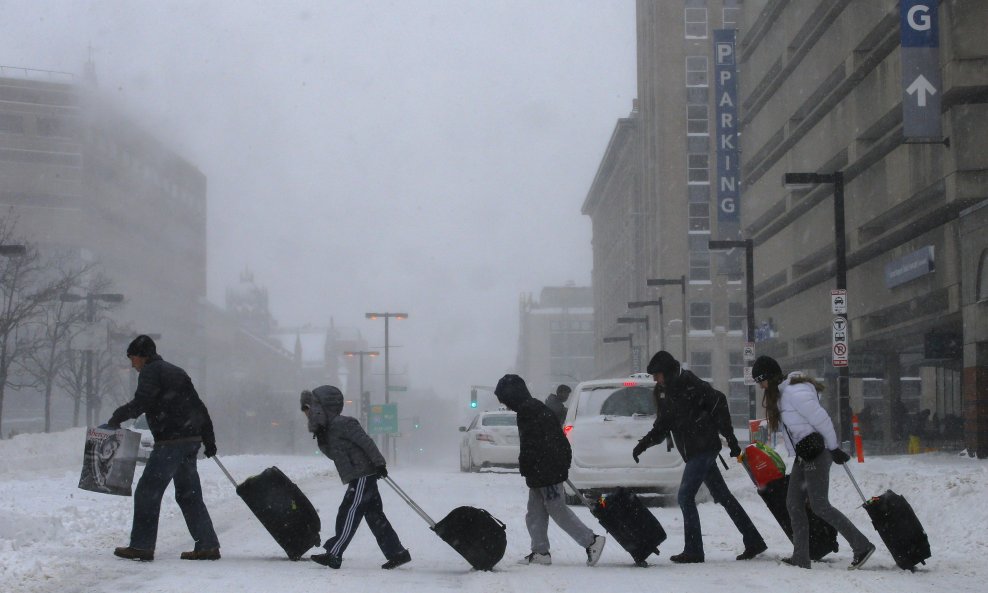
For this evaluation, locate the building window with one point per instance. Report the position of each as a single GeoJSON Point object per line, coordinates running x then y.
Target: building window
{"type": "Point", "coordinates": [700, 316]}
{"type": "Point", "coordinates": [696, 71]}
{"type": "Point", "coordinates": [699, 218]}
{"type": "Point", "coordinates": [732, 17]}
{"type": "Point", "coordinates": [729, 264]}
{"type": "Point", "coordinates": [698, 168]}
{"type": "Point", "coordinates": [699, 258]}
{"type": "Point", "coordinates": [697, 120]}
{"type": "Point", "coordinates": [701, 363]}
{"type": "Point", "coordinates": [737, 316]}
{"type": "Point", "coordinates": [735, 362]}
{"type": "Point", "coordinates": [696, 23]}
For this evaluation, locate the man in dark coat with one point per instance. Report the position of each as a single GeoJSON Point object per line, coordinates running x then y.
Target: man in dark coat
{"type": "Point", "coordinates": [180, 424]}
{"type": "Point", "coordinates": [543, 459]}
{"type": "Point", "coordinates": [556, 402]}
{"type": "Point", "coordinates": [359, 464]}
{"type": "Point", "coordinates": [693, 412]}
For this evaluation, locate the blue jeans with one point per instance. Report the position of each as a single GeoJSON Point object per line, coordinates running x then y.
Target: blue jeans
{"type": "Point", "coordinates": [702, 469]}
{"type": "Point", "coordinates": [171, 462]}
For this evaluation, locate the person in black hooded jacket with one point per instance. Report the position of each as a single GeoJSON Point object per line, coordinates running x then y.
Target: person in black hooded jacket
{"type": "Point", "coordinates": [543, 459]}
{"type": "Point", "coordinates": [693, 412]}
{"type": "Point", "coordinates": [180, 424]}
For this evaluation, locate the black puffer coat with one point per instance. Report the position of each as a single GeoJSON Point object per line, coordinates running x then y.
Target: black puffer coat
{"type": "Point", "coordinates": [165, 395]}
{"type": "Point", "coordinates": [694, 412]}
{"type": "Point", "coordinates": [545, 455]}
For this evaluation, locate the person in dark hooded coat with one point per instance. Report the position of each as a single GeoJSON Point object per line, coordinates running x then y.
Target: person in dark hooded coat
{"type": "Point", "coordinates": [696, 416]}
{"type": "Point", "coordinates": [543, 459]}
{"type": "Point", "coordinates": [359, 464]}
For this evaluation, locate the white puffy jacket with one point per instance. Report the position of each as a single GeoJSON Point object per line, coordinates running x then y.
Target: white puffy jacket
{"type": "Point", "coordinates": [802, 414]}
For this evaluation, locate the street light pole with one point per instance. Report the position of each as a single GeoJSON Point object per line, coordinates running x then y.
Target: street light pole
{"type": "Point", "coordinates": [749, 277]}
{"type": "Point", "coordinates": [92, 407]}
{"type": "Point", "coordinates": [641, 320]}
{"type": "Point", "coordinates": [387, 370]}
{"type": "Point", "coordinates": [797, 180]}
{"type": "Point", "coordinates": [681, 281]}
{"type": "Point", "coordinates": [364, 404]}
{"type": "Point", "coordinates": [662, 324]}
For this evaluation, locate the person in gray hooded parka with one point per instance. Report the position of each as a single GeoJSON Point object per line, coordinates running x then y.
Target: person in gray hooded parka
{"type": "Point", "coordinates": [359, 464]}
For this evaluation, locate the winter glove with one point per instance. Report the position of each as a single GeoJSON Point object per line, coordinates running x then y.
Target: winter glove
{"type": "Point", "coordinates": [382, 471]}
{"type": "Point", "coordinates": [839, 456]}
{"type": "Point", "coordinates": [109, 426]}
{"type": "Point", "coordinates": [735, 450]}
{"type": "Point", "coordinates": [209, 449]}
{"type": "Point", "coordinates": [638, 450]}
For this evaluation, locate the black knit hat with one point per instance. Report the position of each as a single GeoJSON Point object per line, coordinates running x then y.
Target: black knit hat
{"type": "Point", "coordinates": [664, 363]}
{"type": "Point", "coordinates": [142, 346]}
{"type": "Point", "coordinates": [765, 369]}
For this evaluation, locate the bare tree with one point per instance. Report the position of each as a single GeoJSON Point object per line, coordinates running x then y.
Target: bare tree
{"type": "Point", "coordinates": [58, 323]}
{"type": "Point", "coordinates": [25, 285]}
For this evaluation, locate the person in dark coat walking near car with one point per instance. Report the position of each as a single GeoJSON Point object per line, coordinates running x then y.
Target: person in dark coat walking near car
{"type": "Point", "coordinates": [544, 458]}
{"type": "Point", "coordinates": [693, 412]}
{"type": "Point", "coordinates": [180, 424]}
{"type": "Point", "coordinates": [556, 402]}
{"type": "Point", "coordinates": [792, 405]}
{"type": "Point", "coordinates": [359, 464]}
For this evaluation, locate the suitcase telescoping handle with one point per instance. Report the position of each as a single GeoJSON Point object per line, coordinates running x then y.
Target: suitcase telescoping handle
{"type": "Point", "coordinates": [228, 476]}
{"type": "Point", "coordinates": [579, 495]}
{"type": "Point", "coordinates": [855, 482]}
{"type": "Point", "coordinates": [408, 500]}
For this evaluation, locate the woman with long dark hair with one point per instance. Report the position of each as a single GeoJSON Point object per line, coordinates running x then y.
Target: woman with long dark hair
{"type": "Point", "coordinates": [792, 406]}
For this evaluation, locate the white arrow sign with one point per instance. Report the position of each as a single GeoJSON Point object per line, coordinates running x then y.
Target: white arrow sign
{"type": "Point", "coordinates": [921, 87]}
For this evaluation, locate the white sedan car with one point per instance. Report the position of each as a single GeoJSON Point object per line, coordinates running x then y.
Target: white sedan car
{"type": "Point", "coordinates": [491, 440]}
{"type": "Point", "coordinates": [604, 422]}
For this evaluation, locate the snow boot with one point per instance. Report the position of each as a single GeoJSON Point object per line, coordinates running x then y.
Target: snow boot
{"type": "Point", "coordinates": [403, 557]}
{"type": "Point", "coordinates": [753, 551]}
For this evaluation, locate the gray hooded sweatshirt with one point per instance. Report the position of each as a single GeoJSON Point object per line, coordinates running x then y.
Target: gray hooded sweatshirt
{"type": "Point", "coordinates": [341, 438]}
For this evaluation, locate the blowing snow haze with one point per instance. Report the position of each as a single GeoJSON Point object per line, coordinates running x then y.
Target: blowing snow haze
{"type": "Point", "coordinates": [427, 157]}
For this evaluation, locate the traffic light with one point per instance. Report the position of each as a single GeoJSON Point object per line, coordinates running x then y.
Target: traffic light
{"type": "Point", "coordinates": [415, 422]}
{"type": "Point", "coordinates": [473, 398]}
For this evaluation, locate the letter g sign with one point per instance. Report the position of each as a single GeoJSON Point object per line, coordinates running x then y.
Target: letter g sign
{"type": "Point", "coordinates": [919, 17]}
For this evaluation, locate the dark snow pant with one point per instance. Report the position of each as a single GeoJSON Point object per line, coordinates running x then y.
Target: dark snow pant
{"type": "Point", "coordinates": [550, 501]}
{"type": "Point", "coordinates": [702, 469]}
{"type": "Point", "coordinates": [169, 462]}
{"type": "Point", "coordinates": [811, 481]}
{"type": "Point", "coordinates": [362, 499]}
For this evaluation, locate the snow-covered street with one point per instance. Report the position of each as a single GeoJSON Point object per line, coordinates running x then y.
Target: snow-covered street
{"type": "Point", "coordinates": [55, 537]}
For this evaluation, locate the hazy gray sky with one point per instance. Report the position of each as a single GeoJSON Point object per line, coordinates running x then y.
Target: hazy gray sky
{"type": "Point", "coordinates": [423, 156]}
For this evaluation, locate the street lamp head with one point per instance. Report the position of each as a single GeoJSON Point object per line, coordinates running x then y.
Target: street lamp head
{"type": "Point", "coordinates": [13, 250]}
{"type": "Point", "coordinates": [796, 181]}
{"type": "Point", "coordinates": [372, 315]}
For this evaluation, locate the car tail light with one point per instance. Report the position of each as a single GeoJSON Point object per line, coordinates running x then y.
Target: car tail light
{"type": "Point", "coordinates": [483, 436]}
{"type": "Point", "coordinates": [630, 383]}
{"type": "Point", "coordinates": [567, 429]}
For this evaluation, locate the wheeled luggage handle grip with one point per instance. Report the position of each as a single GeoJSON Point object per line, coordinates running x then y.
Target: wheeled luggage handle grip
{"type": "Point", "coordinates": [408, 500]}
{"type": "Point", "coordinates": [579, 495]}
{"type": "Point", "coordinates": [222, 467]}
{"type": "Point", "coordinates": [855, 482]}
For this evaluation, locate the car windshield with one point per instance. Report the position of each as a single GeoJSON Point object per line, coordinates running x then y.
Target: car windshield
{"type": "Point", "coordinates": [500, 420]}
{"type": "Point", "coordinates": [615, 401]}
{"type": "Point", "coordinates": [141, 423]}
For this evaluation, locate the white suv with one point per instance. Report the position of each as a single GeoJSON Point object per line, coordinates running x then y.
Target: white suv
{"type": "Point", "coordinates": [604, 422]}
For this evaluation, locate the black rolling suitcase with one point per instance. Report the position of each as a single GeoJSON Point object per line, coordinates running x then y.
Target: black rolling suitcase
{"type": "Point", "coordinates": [899, 527]}
{"type": "Point", "coordinates": [474, 533]}
{"type": "Point", "coordinates": [623, 515]}
{"type": "Point", "coordinates": [281, 508]}
{"type": "Point", "coordinates": [823, 536]}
